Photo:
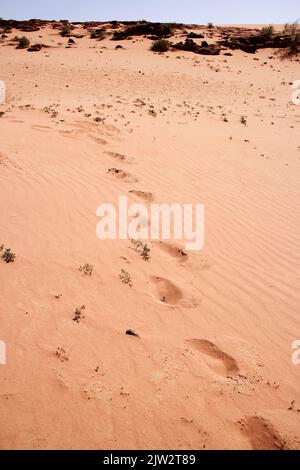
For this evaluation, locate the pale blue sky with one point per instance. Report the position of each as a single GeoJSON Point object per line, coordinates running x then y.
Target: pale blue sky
{"type": "Point", "coordinates": [185, 11]}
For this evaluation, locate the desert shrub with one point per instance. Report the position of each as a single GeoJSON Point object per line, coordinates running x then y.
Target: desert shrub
{"type": "Point", "coordinates": [125, 277]}
{"type": "Point", "coordinates": [98, 34]}
{"type": "Point", "coordinates": [293, 31]}
{"type": "Point", "coordinates": [243, 120]}
{"type": "Point", "coordinates": [86, 269]}
{"type": "Point", "coordinates": [6, 29]}
{"type": "Point", "coordinates": [141, 248]}
{"type": "Point", "coordinates": [267, 31]}
{"type": "Point", "coordinates": [8, 256]}
{"type": "Point", "coordinates": [175, 26]}
{"type": "Point", "coordinates": [210, 25]}
{"type": "Point", "coordinates": [146, 253]}
{"type": "Point", "coordinates": [78, 314]}
{"type": "Point", "coordinates": [62, 354]}
{"type": "Point", "coordinates": [23, 42]}
{"type": "Point", "coordinates": [65, 30]}
{"type": "Point", "coordinates": [161, 45]}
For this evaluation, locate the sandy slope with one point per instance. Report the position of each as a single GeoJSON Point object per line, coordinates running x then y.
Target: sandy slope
{"type": "Point", "coordinates": [212, 367]}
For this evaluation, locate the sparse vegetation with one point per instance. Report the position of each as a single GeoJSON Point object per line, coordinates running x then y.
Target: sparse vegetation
{"type": "Point", "coordinates": [125, 277]}
{"type": "Point", "coordinates": [293, 31]}
{"type": "Point", "coordinates": [141, 248]}
{"type": "Point", "coordinates": [210, 25]}
{"type": "Point", "coordinates": [243, 120]}
{"type": "Point", "coordinates": [98, 34]}
{"type": "Point", "coordinates": [8, 256]}
{"type": "Point", "coordinates": [86, 269]}
{"type": "Point", "coordinates": [145, 253]}
{"type": "Point", "coordinates": [23, 42]}
{"type": "Point", "coordinates": [65, 30]}
{"type": "Point", "coordinates": [61, 354]}
{"type": "Point", "coordinates": [161, 45]}
{"type": "Point", "coordinates": [78, 315]}
{"type": "Point", "coordinates": [267, 31]}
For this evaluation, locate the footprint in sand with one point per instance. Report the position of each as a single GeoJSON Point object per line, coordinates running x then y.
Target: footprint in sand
{"type": "Point", "coordinates": [117, 156]}
{"type": "Point", "coordinates": [142, 195]}
{"type": "Point", "coordinates": [219, 361]}
{"type": "Point", "coordinates": [98, 140]}
{"type": "Point", "coordinates": [37, 127]}
{"type": "Point", "coordinates": [172, 250]}
{"type": "Point", "coordinates": [121, 174]}
{"type": "Point", "coordinates": [69, 134]}
{"type": "Point", "coordinates": [167, 291]}
{"type": "Point", "coordinates": [262, 434]}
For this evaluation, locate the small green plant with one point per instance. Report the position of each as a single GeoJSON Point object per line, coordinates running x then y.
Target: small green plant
{"type": "Point", "coordinates": [86, 269]}
{"type": "Point", "coordinates": [78, 314]}
{"type": "Point", "coordinates": [243, 120]}
{"type": "Point", "coordinates": [161, 45]}
{"type": "Point", "coordinates": [8, 256]}
{"type": "Point", "coordinates": [125, 277]}
{"type": "Point", "coordinates": [23, 42]}
{"type": "Point", "coordinates": [267, 31]}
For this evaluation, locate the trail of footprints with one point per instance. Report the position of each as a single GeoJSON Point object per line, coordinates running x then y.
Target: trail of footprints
{"type": "Point", "coordinates": [259, 431]}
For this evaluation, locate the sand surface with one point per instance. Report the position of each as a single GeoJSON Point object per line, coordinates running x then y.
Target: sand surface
{"type": "Point", "coordinates": [212, 367]}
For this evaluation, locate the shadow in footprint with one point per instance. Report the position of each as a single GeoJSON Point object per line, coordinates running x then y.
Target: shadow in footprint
{"type": "Point", "coordinates": [173, 251]}
{"type": "Point", "coordinates": [146, 196]}
{"type": "Point", "coordinates": [167, 291]}
{"type": "Point", "coordinates": [116, 155]}
{"type": "Point", "coordinates": [221, 362]}
{"type": "Point", "coordinates": [262, 434]}
{"type": "Point", "coordinates": [121, 174]}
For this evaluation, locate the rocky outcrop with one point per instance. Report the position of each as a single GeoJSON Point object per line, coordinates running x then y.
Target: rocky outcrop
{"type": "Point", "coordinates": [192, 46]}
{"type": "Point", "coordinates": [25, 26]}
{"type": "Point", "coordinates": [157, 30]}
{"type": "Point", "coordinates": [37, 47]}
{"type": "Point", "coordinates": [250, 43]}
{"type": "Point", "coordinates": [193, 35]}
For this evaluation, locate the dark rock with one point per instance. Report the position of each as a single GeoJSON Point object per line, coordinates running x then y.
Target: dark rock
{"type": "Point", "coordinates": [209, 50]}
{"type": "Point", "coordinates": [132, 333]}
{"type": "Point", "coordinates": [71, 41]}
{"type": "Point", "coordinates": [37, 47]}
{"type": "Point", "coordinates": [249, 48]}
{"type": "Point", "coordinates": [250, 42]}
{"type": "Point", "coordinates": [34, 48]}
{"type": "Point", "coordinates": [26, 26]}
{"type": "Point", "coordinates": [160, 30]}
{"type": "Point", "coordinates": [195, 36]}
{"type": "Point", "coordinates": [190, 45]}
